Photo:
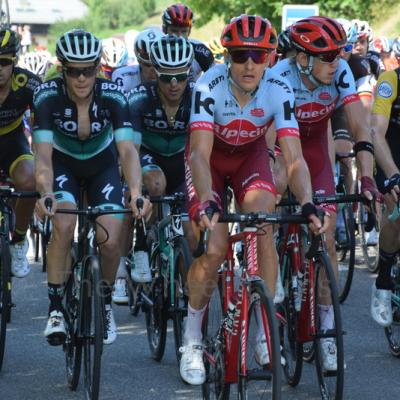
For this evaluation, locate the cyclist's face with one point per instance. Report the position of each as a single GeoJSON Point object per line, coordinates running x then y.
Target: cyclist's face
{"type": "Point", "coordinates": [6, 68]}
{"type": "Point", "coordinates": [78, 83]}
{"type": "Point", "coordinates": [183, 31]}
{"type": "Point", "coordinates": [147, 72]}
{"type": "Point", "coordinates": [361, 47]}
{"type": "Point", "coordinates": [174, 89]}
{"type": "Point", "coordinates": [248, 74]}
{"type": "Point", "coordinates": [323, 71]}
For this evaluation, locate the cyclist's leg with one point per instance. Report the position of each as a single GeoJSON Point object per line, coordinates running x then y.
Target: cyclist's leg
{"type": "Point", "coordinates": [389, 245]}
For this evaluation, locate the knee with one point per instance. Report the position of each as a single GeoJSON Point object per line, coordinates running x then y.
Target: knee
{"type": "Point", "coordinates": [25, 179]}
{"type": "Point", "coordinates": [63, 230]}
{"type": "Point", "coordinates": [112, 247]}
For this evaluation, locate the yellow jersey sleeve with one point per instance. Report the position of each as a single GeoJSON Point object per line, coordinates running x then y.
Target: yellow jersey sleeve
{"type": "Point", "coordinates": [385, 93]}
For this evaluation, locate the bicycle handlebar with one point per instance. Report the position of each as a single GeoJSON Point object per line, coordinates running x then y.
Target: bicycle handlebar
{"type": "Point", "coordinates": [318, 200]}
{"type": "Point", "coordinates": [8, 192]}
{"type": "Point", "coordinates": [175, 198]}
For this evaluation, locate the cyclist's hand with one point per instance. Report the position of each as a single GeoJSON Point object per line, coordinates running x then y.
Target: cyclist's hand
{"type": "Point", "coordinates": [309, 211]}
{"type": "Point", "coordinates": [141, 206]}
{"type": "Point", "coordinates": [392, 186]}
{"type": "Point", "coordinates": [46, 205]}
{"type": "Point", "coordinates": [207, 214]}
{"type": "Point", "coordinates": [369, 189]}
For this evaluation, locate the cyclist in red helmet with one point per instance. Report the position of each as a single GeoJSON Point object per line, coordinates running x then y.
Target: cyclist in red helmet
{"type": "Point", "coordinates": [322, 82]}
{"type": "Point", "coordinates": [177, 19]}
{"type": "Point", "coordinates": [233, 105]}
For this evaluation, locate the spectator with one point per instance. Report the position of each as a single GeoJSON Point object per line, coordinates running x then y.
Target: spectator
{"type": "Point", "coordinates": [26, 40]}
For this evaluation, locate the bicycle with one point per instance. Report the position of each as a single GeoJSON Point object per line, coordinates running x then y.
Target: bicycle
{"type": "Point", "coordinates": [232, 321]}
{"type": "Point", "coordinates": [166, 296]}
{"type": "Point", "coordinates": [83, 304]}
{"type": "Point", "coordinates": [6, 222]}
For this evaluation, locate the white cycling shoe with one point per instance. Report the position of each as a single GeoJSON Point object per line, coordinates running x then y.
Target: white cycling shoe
{"type": "Point", "coordinates": [329, 354]}
{"type": "Point", "coordinates": [381, 306]}
{"type": "Point", "coordinates": [120, 292]}
{"type": "Point", "coordinates": [19, 261]}
{"type": "Point", "coordinates": [140, 269]}
{"type": "Point", "coordinates": [110, 325]}
{"type": "Point", "coordinates": [261, 353]}
{"type": "Point", "coordinates": [192, 365]}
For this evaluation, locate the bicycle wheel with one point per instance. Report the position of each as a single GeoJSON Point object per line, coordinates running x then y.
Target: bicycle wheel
{"type": "Point", "coordinates": [73, 344]}
{"type": "Point", "coordinates": [330, 382]}
{"type": "Point", "coordinates": [346, 251]}
{"type": "Point", "coordinates": [214, 388]}
{"type": "Point", "coordinates": [5, 291]}
{"type": "Point", "coordinates": [92, 327]}
{"type": "Point", "coordinates": [260, 381]}
{"type": "Point", "coordinates": [393, 331]}
{"type": "Point", "coordinates": [156, 316]}
{"type": "Point", "coordinates": [370, 251]}
{"type": "Point", "coordinates": [291, 348]}
{"type": "Point", "coordinates": [181, 264]}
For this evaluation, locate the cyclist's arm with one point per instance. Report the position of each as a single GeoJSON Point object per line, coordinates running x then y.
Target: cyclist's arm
{"type": "Point", "coordinates": [201, 144]}
{"type": "Point", "coordinates": [299, 179]}
{"type": "Point", "coordinates": [43, 167]}
{"type": "Point", "coordinates": [379, 126]}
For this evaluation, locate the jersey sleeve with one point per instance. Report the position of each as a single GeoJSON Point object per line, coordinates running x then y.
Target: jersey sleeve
{"type": "Point", "coordinates": [345, 84]}
{"type": "Point", "coordinates": [119, 109]}
{"type": "Point", "coordinates": [386, 94]}
{"type": "Point", "coordinates": [43, 101]}
{"type": "Point", "coordinates": [202, 109]}
{"type": "Point", "coordinates": [281, 97]}
{"type": "Point", "coordinates": [203, 55]}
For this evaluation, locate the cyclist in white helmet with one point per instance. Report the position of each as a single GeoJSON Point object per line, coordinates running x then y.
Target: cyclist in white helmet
{"type": "Point", "coordinates": [114, 55]}
{"type": "Point", "coordinates": [132, 75]}
{"type": "Point", "coordinates": [35, 62]}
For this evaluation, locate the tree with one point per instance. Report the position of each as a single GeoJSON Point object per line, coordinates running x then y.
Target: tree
{"type": "Point", "coordinates": [272, 9]}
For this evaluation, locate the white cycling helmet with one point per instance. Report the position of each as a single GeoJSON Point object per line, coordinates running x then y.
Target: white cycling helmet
{"type": "Point", "coordinates": [35, 62]}
{"type": "Point", "coordinates": [351, 29]}
{"type": "Point", "coordinates": [171, 52]}
{"type": "Point", "coordinates": [114, 53]}
{"type": "Point", "coordinates": [143, 44]}
{"type": "Point", "coordinates": [78, 46]}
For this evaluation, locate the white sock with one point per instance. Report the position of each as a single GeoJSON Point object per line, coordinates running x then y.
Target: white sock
{"type": "Point", "coordinates": [326, 317]}
{"type": "Point", "coordinates": [121, 272]}
{"type": "Point", "coordinates": [260, 325]}
{"type": "Point", "coordinates": [193, 324]}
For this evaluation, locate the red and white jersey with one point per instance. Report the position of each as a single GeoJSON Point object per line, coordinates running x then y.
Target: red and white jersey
{"type": "Point", "coordinates": [313, 108]}
{"type": "Point", "coordinates": [215, 109]}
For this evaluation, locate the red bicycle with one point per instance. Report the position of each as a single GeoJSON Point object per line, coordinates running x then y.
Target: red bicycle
{"type": "Point", "coordinates": [238, 311]}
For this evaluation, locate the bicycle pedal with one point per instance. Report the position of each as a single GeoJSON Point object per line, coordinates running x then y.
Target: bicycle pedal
{"type": "Point", "coordinates": [56, 340]}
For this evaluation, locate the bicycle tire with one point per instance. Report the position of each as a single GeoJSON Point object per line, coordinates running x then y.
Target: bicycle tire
{"type": "Point", "coordinates": [292, 349]}
{"type": "Point", "coordinates": [370, 252]}
{"type": "Point", "coordinates": [273, 374]}
{"type": "Point", "coordinates": [5, 291]}
{"type": "Point", "coordinates": [328, 389]}
{"type": "Point", "coordinates": [156, 318]}
{"type": "Point", "coordinates": [73, 344]}
{"type": "Point", "coordinates": [392, 332]}
{"type": "Point", "coordinates": [182, 263]}
{"type": "Point", "coordinates": [347, 259]}
{"type": "Point", "coordinates": [93, 326]}
{"type": "Point", "coordinates": [214, 387]}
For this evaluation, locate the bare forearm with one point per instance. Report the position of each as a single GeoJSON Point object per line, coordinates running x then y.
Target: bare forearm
{"type": "Point", "coordinates": [299, 181]}
{"type": "Point", "coordinates": [201, 176]}
{"type": "Point", "coordinates": [132, 171]}
{"type": "Point", "coordinates": [365, 162]}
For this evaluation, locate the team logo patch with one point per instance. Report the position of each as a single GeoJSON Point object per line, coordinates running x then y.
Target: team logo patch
{"type": "Point", "coordinates": [257, 112]}
{"type": "Point", "coordinates": [385, 89]}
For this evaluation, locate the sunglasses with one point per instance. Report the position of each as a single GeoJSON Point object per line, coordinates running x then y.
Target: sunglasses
{"type": "Point", "coordinates": [329, 58]}
{"type": "Point", "coordinates": [168, 78]}
{"type": "Point", "coordinates": [348, 48]}
{"type": "Point", "coordinates": [7, 61]}
{"type": "Point", "coordinates": [241, 56]}
{"type": "Point", "coordinates": [73, 72]}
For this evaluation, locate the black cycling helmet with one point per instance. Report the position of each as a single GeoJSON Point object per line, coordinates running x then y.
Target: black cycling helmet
{"type": "Point", "coordinates": [78, 46]}
{"type": "Point", "coordinates": [284, 43]}
{"type": "Point", "coordinates": [9, 42]}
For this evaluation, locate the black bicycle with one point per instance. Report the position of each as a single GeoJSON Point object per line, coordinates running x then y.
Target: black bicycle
{"type": "Point", "coordinates": [6, 227]}
{"type": "Point", "coordinates": [84, 306]}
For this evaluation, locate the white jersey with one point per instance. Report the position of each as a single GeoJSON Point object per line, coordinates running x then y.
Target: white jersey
{"type": "Point", "coordinates": [128, 77]}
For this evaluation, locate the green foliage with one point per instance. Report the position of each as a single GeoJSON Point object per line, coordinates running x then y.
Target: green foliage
{"type": "Point", "coordinates": [272, 9]}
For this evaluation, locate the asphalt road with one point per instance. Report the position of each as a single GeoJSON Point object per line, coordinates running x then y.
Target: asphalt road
{"type": "Point", "coordinates": [33, 370]}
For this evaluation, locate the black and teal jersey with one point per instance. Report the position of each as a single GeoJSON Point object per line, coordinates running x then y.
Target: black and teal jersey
{"type": "Point", "coordinates": [18, 100]}
{"type": "Point", "coordinates": [149, 119]}
{"type": "Point", "coordinates": [56, 118]}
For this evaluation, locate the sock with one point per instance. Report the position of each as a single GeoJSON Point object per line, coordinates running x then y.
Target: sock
{"type": "Point", "coordinates": [260, 326]}
{"type": "Point", "coordinates": [193, 324]}
{"type": "Point", "coordinates": [107, 292]}
{"type": "Point", "coordinates": [121, 272]}
{"type": "Point", "coordinates": [386, 260]}
{"type": "Point", "coordinates": [326, 317]}
{"type": "Point", "coordinates": [56, 293]}
{"type": "Point", "coordinates": [18, 236]}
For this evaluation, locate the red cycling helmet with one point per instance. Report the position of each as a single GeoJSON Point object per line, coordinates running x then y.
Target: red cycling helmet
{"type": "Point", "coordinates": [249, 31]}
{"type": "Point", "coordinates": [177, 15]}
{"type": "Point", "coordinates": [316, 35]}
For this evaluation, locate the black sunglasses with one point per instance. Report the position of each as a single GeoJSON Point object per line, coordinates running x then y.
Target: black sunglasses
{"type": "Point", "coordinates": [167, 78]}
{"type": "Point", "coordinates": [241, 56]}
{"type": "Point", "coordinates": [330, 57]}
{"type": "Point", "coordinates": [7, 61]}
{"type": "Point", "coordinates": [73, 72]}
